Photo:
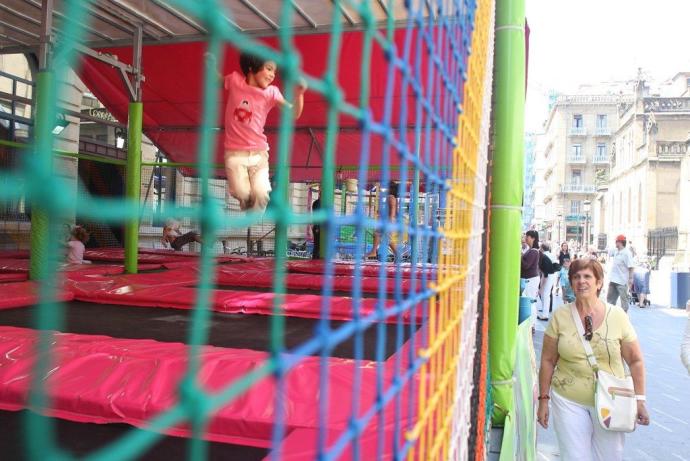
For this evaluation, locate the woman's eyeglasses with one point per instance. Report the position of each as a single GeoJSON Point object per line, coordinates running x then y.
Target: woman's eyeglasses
{"type": "Point", "coordinates": [588, 328]}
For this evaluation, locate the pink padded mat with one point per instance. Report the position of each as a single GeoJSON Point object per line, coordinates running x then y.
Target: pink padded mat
{"type": "Point", "coordinates": [25, 294]}
{"type": "Point", "coordinates": [18, 277]}
{"type": "Point", "coordinates": [241, 276]}
{"type": "Point", "coordinates": [101, 379]}
{"type": "Point", "coordinates": [369, 269]}
{"type": "Point", "coordinates": [176, 289]}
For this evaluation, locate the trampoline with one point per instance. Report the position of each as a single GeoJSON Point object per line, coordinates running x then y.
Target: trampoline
{"type": "Point", "coordinates": [247, 357]}
{"type": "Point", "coordinates": [235, 331]}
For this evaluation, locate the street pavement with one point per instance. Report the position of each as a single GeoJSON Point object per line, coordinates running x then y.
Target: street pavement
{"type": "Point", "coordinates": [667, 438]}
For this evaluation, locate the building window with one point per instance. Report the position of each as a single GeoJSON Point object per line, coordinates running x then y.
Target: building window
{"type": "Point", "coordinates": [576, 177]}
{"type": "Point", "coordinates": [575, 207]}
{"type": "Point", "coordinates": [602, 121]}
{"type": "Point", "coordinates": [577, 121]}
{"type": "Point", "coordinates": [576, 152]}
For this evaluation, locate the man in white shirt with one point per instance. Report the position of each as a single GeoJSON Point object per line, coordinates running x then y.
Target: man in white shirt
{"type": "Point", "coordinates": [621, 276]}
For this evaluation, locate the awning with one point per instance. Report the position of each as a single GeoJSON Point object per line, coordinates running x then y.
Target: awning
{"type": "Point", "coordinates": [173, 47]}
{"type": "Point", "coordinates": [172, 96]}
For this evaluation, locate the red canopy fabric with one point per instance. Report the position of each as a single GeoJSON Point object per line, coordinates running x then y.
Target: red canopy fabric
{"type": "Point", "coordinates": [172, 96]}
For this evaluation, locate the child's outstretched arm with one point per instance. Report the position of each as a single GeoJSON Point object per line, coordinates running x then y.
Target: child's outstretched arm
{"type": "Point", "coordinates": [212, 61]}
{"type": "Point", "coordinates": [298, 105]}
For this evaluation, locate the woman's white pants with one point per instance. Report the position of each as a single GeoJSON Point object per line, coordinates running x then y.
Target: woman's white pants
{"type": "Point", "coordinates": [545, 296]}
{"type": "Point", "coordinates": [580, 436]}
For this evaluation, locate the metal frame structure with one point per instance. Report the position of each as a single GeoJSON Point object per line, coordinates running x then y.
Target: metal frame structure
{"type": "Point", "coordinates": [32, 26]}
{"type": "Point", "coordinates": [116, 22]}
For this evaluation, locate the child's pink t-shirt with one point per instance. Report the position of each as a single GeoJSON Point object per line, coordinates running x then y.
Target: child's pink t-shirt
{"type": "Point", "coordinates": [75, 252]}
{"type": "Point", "coordinates": [246, 112]}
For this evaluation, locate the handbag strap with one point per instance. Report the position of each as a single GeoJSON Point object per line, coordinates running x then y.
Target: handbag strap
{"type": "Point", "coordinates": [581, 333]}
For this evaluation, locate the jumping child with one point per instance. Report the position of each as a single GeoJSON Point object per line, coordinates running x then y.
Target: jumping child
{"type": "Point", "coordinates": [77, 245]}
{"type": "Point", "coordinates": [250, 98]}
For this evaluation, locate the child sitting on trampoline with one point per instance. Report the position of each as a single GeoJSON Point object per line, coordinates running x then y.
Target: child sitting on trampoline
{"type": "Point", "coordinates": [250, 98]}
{"type": "Point", "coordinates": [77, 245]}
{"type": "Point", "coordinates": [175, 238]}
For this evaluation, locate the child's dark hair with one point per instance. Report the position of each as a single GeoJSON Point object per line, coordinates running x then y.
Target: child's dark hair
{"type": "Point", "coordinates": [393, 189]}
{"type": "Point", "coordinates": [250, 63]}
{"type": "Point", "coordinates": [80, 234]}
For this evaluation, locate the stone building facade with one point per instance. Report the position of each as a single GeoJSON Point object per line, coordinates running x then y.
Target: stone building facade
{"type": "Point", "coordinates": [571, 160]}
{"type": "Point", "coordinates": [649, 173]}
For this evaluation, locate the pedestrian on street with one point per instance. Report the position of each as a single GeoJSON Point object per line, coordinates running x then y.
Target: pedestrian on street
{"type": "Point", "coordinates": [621, 276]}
{"type": "Point", "coordinates": [564, 288]}
{"type": "Point", "coordinates": [529, 268]}
{"type": "Point", "coordinates": [567, 379]}
{"type": "Point", "coordinates": [641, 284]}
{"type": "Point", "coordinates": [565, 253]}
{"type": "Point", "coordinates": [549, 267]}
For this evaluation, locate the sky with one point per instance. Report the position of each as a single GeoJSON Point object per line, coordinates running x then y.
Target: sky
{"type": "Point", "coordinates": [592, 41]}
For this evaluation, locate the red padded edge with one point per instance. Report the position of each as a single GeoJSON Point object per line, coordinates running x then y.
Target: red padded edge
{"type": "Point", "coordinates": [19, 277]}
{"type": "Point", "coordinates": [240, 277]}
{"type": "Point", "coordinates": [16, 254]}
{"type": "Point", "coordinates": [175, 289]}
{"type": "Point", "coordinates": [101, 379]}
{"type": "Point", "coordinates": [14, 265]}
{"type": "Point", "coordinates": [25, 294]}
{"type": "Point", "coordinates": [368, 269]}
{"type": "Point", "coordinates": [118, 255]}
{"type": "Point", "coordinates": [23, 266]}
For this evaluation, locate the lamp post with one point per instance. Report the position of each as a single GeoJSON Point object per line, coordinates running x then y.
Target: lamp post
{"type": "Point", "coordinates": [587, 207]}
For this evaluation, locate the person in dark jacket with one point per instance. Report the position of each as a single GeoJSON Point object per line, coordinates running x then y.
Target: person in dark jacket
{"type": "Point", "coordinates": [529, 268]}
{"type": "Point", "coordinates": [565, 253]}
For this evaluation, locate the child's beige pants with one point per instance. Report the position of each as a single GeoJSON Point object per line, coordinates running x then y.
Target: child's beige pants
{"type": "Point", "coordinates": [248, 180]}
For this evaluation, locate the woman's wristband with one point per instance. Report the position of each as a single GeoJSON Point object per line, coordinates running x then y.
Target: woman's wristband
{"type": "Point", "coordinates": [544, 397]}
{"type": "Point", "coordinates": [641, 398]}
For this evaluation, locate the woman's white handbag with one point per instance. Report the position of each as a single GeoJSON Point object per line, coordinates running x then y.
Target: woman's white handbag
{"type": "Point", "coordinates": [614, 398]}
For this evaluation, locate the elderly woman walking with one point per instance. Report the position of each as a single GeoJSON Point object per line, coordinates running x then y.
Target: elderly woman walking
{"type": "Point", "coordinates": [566, 377]}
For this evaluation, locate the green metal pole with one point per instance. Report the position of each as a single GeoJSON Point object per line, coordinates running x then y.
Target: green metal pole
{"type": "Point", "coordinates": [414, 201]}
{"type": "Point", "coordinates": [45, 87]}
{"type": "Point", "coordinates": [133, 183]}
{"type": "Point", "coordinates": [506, 200]}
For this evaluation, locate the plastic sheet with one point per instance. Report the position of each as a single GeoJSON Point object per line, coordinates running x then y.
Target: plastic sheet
{"type": "Point", "coordinates": [25, 294]}
{"type": "Point", "coordinates": [101, 379]}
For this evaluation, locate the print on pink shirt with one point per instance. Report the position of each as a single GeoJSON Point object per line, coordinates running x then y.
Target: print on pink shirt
{"type": "Point", "coordinates": [243, 112]}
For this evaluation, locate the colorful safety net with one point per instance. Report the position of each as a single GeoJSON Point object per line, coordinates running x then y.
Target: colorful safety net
{"type": "Point", "coordinates": [429, 132]}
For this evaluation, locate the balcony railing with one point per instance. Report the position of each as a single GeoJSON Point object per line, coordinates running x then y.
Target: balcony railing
{"type": "Point", "coordinates": [671, 150]}
{"type": "Point", "coordinates": [600, 158]}
{"type": "Point", "coordinates": [577, 131]}
{"type": "Point", "coordinates": [667, 104]}
{"type": "Point", "coordinates": [602, 131]}
{"type": "Point", "coordinates": [576, 158]}
{"type": "Point", "coordinates": [578, 188]}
